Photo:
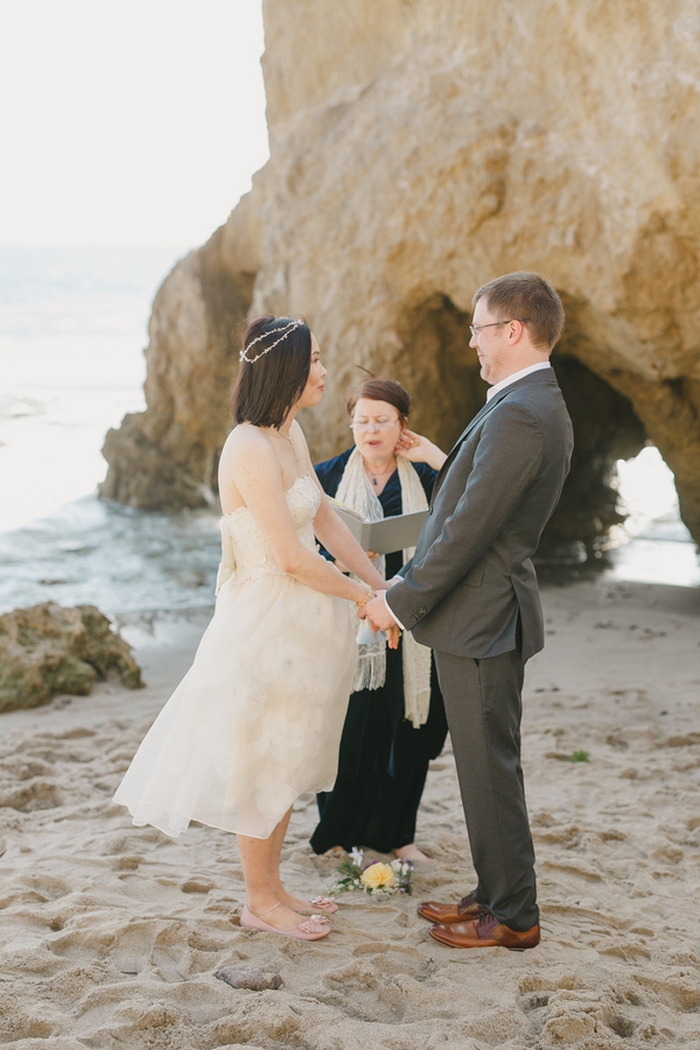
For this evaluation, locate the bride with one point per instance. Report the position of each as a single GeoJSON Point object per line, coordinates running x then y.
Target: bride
{"type": "Point", "coordinates": [257, 720]}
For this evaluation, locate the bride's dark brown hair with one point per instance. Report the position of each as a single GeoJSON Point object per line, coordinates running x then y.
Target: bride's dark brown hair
{"type": "Point", "coordinates": [266, 389]}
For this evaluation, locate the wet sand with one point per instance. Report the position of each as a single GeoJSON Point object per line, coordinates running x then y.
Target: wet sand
{"type": "Point", "coordinates": [112, 935]}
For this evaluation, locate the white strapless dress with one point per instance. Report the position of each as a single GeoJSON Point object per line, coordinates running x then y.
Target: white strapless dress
{"type": "Point", "coordinates": [257, 719]}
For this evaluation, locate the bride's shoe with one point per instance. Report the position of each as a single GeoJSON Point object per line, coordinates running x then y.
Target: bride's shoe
{"type": "Point", "coordinates": [312, 929]}
{"type": "Point", "coordinates": [325, 904]}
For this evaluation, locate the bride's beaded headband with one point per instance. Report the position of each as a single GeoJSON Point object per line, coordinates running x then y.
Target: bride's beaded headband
{"type": "Point", "coordinates": [282, 332]}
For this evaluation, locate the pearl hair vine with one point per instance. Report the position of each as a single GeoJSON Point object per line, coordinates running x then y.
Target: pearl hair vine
{"type": "Point", "coordinates": [283, 333]}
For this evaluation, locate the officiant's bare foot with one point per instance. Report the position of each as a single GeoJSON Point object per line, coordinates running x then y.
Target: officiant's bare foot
{"type": "Point", "coordinates": [411, 852]}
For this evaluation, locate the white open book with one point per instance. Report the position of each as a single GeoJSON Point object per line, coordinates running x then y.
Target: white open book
{"type": "Point", "coordinates": [383, 536]}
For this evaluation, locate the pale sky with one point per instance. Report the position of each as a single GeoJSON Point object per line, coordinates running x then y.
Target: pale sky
{"type": "Point", "coordinates": [127, 121]}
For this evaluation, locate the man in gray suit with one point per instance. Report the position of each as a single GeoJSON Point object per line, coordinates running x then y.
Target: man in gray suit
{"type": "Point", "coordinates": [470, 593]}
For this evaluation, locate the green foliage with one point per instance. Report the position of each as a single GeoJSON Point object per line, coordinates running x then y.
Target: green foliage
{"type": "Point", "coordinates": [389, 878]}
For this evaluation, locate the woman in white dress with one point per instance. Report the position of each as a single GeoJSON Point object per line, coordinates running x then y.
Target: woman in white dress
{"type": "Point", "coordinates": [257, 720]}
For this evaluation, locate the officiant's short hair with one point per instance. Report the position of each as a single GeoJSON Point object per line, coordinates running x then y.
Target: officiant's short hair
{"type": "Point", "coordinates": [273, 372]}
{"type": "Point", "coordinates": [376, 389]}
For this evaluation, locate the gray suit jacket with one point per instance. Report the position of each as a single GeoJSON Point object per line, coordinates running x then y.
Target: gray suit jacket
{"type": "Point", "coordinates": [471, 576]}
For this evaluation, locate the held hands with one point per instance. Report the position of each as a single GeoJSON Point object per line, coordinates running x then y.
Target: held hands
{"type": "Point", "coordinates": [381, 619]}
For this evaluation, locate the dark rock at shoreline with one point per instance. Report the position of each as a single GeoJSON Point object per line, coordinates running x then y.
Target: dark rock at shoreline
{"type": "Point", "coordinates": [48, 649]}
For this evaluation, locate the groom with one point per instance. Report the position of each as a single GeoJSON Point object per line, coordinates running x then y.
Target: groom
{"type": "Point", "coordinates": [470, 593]}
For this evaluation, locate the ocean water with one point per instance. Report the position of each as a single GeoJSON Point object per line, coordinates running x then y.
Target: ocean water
{"type": "Point", "coordinates": [72, 333]}
{"type": "Point", "coordinates": [73, 328]}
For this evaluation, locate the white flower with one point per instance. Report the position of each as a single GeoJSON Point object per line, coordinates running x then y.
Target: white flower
{"type": "Point", "coordinates": [357, 856]}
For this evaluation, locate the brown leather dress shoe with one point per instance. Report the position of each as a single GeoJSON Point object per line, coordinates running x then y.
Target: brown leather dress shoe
{"type": "Point", "coordinates": [468, 908]}
{"type": "Point", "coordinates": [486, 932]}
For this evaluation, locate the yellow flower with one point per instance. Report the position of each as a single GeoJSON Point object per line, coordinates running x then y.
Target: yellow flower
{"type": "Point", "coordinates": [378, 876]}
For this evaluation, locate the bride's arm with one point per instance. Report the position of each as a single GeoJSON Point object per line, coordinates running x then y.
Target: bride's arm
{"type": "Point", "coordinates": [255, 471]}
{"type": "Point", "coordinates": [332, 531]}
{"type": "Point", "coordinates": [337, 538]}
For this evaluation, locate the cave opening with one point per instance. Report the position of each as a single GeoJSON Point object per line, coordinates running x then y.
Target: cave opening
{"type": "Point", "coordinates": [654, 545]}
{"type": "Point", "coordinates": [441, 372]}
{"type": "Point", "coordinates": [606, 430]}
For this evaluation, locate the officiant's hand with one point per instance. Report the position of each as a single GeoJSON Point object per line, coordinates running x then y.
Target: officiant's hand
{"type": "Point", "coordinates": [418, 449]}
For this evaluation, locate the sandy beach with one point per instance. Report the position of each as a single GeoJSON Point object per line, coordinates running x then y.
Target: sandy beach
{"type": "Point", "coordinates": [112, 935]}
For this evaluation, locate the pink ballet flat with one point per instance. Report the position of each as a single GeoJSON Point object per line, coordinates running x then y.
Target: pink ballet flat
{"type": "Point", "coordinates": [312, 929]}
{"type": "Point", "coordinates": [326, 904]}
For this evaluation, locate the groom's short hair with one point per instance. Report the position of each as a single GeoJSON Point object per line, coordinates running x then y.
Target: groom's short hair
{"type": "Point", "coordinates": [525, 297]}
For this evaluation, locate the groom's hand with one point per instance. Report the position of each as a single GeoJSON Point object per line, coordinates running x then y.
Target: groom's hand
{"type": "Point", "coordinates": [378, 614]}
{"type": "Point", "coordinates": [380, 618]}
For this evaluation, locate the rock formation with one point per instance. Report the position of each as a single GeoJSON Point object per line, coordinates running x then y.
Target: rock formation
{"type": "Point", "coordinates": [168, 455]}
{"type": "Point", "coordinates": [48, 649]}
{"type": "Point", "coordinates": [418, 149]}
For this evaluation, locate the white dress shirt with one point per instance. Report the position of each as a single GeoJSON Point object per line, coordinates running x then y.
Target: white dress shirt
{"type": "Point", "coordinates": [514, 378]}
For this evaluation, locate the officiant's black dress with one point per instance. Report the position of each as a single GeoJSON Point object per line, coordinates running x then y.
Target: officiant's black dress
{"type": "Point", "coordinates": [383, 759]}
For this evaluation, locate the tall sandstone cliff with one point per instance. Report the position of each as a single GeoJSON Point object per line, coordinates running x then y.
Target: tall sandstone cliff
{"type": "Point", "coordinates": [418, 149]}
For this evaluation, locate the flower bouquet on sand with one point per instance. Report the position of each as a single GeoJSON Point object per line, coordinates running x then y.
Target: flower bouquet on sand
{"type": "Point", "coordinates": [376, 877]}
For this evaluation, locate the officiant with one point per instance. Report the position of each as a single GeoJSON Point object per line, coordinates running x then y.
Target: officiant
{"type": "Point", "coordinates": [396, 720]}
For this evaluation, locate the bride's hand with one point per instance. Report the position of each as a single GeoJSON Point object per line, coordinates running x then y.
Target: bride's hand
{"type": "Point", "coordinates": [393, 637]}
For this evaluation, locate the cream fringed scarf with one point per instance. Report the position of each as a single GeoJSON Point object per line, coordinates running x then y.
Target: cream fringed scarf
{"type": "Point", "coordinates": [355, 491]}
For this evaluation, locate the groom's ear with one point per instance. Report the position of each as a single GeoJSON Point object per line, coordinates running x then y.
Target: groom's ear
{"type": "Point", "coordinates": [518, 331]}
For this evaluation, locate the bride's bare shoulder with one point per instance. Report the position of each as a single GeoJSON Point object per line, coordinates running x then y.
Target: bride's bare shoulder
{"type": "Point", "coordinates": [247, 450]}
{"type": "Point", "coordinates": [246, 439]}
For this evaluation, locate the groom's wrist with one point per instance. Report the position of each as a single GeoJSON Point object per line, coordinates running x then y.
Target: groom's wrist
{"type": "Point", "coordinates": [391, 611]}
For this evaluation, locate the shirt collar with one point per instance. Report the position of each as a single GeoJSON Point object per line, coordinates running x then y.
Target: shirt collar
{"type": "Point", "coordinates": [514, 378]}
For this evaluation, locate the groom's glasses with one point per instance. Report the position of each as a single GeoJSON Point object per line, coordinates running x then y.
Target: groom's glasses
{"type": "Point", "coordinates": [382, 424]}
{"type": "Point", "coordinates": [474, 328]}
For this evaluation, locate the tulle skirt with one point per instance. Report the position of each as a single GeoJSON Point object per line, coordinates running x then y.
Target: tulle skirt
{"type": "Point", "coordinates": [257, 720]}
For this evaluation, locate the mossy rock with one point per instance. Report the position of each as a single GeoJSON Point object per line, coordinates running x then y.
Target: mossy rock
{"type": "Point", "coordinates": [48, 649]}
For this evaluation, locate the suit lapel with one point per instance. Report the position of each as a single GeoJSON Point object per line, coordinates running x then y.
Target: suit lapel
{"type": "Point", "coordinates": [547, 374]}
{"type": "Point", "coordinates": [473, 422]}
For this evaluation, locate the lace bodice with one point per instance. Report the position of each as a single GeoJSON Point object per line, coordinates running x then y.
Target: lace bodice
{"type": "Point", "coordinates": [245, 551]}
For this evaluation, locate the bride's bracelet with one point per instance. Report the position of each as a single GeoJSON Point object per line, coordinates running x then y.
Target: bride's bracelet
{"type": "Point", "coordinates": [367, 598]}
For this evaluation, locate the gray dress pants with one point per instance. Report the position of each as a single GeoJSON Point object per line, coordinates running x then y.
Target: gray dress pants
{"type": "Point", "coordinates": [483, 702]}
